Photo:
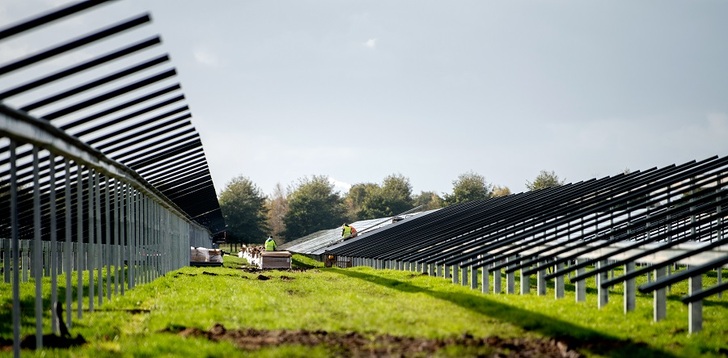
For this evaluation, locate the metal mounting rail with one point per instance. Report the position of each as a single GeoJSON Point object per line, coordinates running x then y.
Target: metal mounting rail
{"type": "Point", "coordinates": [103, 180]}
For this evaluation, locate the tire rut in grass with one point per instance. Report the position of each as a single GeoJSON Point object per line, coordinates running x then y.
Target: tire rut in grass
{"type": "Point", "coordinates": [357, 344]}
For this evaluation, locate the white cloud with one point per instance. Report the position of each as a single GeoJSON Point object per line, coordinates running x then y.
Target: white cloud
{"type": "Point", "coordinates": [206, 57]}
{"type": "Point", "coordinates": [340, 186]}
{"type": "Point", "coordinates": [371, 43]}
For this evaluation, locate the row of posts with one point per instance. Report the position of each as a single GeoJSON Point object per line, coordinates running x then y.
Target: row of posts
{"type": "Point", "coordinates": [468, 276]}
{"type": "Point", "coordinates": [136, 243]}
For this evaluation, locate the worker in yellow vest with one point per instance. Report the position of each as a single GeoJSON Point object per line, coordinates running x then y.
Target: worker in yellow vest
{"type": "Point", "coordinates": [270, 244]}
{"type": "Point", "coordinates": [347, 231]}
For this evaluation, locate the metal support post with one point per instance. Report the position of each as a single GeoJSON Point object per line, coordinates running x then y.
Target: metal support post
{"type": "Point", "coordinates": [24, 250]}
{"type": "Point", "coordinates": [117, 235]}
{"type": "Point", "coordinates": [447, 272]}
{"type": "Point", "coordinates": [108, 243]}
{"type": "Point", "coordinates": [132, 204]}
{"type": "Point", "coordinates": [695, 309]}
{"type": "Point", "coordinates": [37, 254]}
{"type": "Point", "coordinates": [602, 293]}
{"type": "Point", "coordinates": [581, 284]}
{"type": "Point", "coordinates": [630, 298]}
{"type": "Point", "coordinates": [525, 284]}
{"type": "Point", "coordinates": [54, 259]}
{"type": "Point", "coordinates": [68, 244]}
{"type": "Point", "coordinates": [91, 241]}
{"type": "Point", "coordinates": [541, 282]}
{"type": "Point", "coordinates": [99, 259]}
{"type": "Point", "coordinates": [497, 281]}
{"type": "Point", "coordinates": [6, 260]}
{"type": "Point", "coordinates": [511, 278]}
{"type": "Point", "coordinates": [80, 245]}
{"type": "Point", "coordinates": [465, 270]}
{"type": "Point", "coordinates": [473, 277]}
{"type": "Point", "coordinates": [15, 248]}
{"type": "Point", "coordinates": [559, 282]}
{"type": "Point", "coordinates": [455, 274]}
{"type": "Point", "coordinates": [486, 277]}
{"type": "Point", "coordinates": [659, 308]}
{"type": "Point", "coordinates": [720, 280]}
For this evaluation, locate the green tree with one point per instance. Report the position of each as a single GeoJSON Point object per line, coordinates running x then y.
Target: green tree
{"type": "Point", "coordinates": [393, 197]}
{"type": "Point", "coordinates": [313, 205]}
{"type": "Point", "coordinates": [545, 179]}
{"type": "Point", "coordinates": [468, 187]}
{"type": "Point", "coordinates": [500, 191]}
{"type": "Point", "coordinates": [243, 207]}
{"type": "Point", "coordinates": [356, 197]}
{"type": "Point", "coordinates": [397, 193]}
{"type": "Point", "coordinates": [429, 200]}
{"type": "Point", "coordinates": [277, 206]}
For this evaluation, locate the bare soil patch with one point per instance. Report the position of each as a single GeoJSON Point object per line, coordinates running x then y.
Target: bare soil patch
{"type": "Point", "coordinates": [354, 344]}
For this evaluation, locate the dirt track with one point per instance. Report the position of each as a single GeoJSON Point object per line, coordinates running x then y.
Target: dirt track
{"type": "Point", "coordinates": [355, 344]}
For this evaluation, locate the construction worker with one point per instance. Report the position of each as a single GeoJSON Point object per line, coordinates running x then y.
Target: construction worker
{"type": "Point", "coordinates": [270, 244]}
{"type": "Point", "coordinates": [347, 231]}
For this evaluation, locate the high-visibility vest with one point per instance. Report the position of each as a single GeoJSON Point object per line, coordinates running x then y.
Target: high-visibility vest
{"type": "Point", "coordinates": [346, 232]}
{"type": "Point", "coordinates": [270, 245]}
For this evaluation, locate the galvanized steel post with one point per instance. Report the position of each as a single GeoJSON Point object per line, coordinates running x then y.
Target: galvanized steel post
{"type": "Point", "coordinates": [630, 298]}
{"type": "Point", "coordinates": [659, 308]}
{"type": "Point", "coordinates": [580, 284]}
{"type": "Point", "coordinates": [602, 292]}
{"type": "Point", "coordinates": [695, 308]}
{"type": "Point", "coordinates": [559, 282]}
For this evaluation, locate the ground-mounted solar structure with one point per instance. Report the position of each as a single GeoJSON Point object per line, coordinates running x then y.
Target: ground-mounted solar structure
{"type": "Point", "coordinates": [316, 244]}
{"type": "Point", "coordinates": [667, 223]}
{"type": "Point", "coordinates": [102, 173]}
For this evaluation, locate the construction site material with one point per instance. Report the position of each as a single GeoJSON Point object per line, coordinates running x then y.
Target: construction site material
{"type": "Point", "coordinates": [275, 260]}
{"type": "Point", "coordinates": [200, 256]}
{"type": "Point", "coordinates": [215, 255]}
{"type": "Point", "coordinates": [251, 254]}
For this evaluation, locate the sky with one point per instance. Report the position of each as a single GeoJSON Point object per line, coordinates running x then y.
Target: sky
{"type": "Point", "coordinates": [430, 90]}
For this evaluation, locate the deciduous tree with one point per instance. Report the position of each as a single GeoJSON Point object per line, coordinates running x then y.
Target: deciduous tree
{"type": "Point", "coordinates": [277, 206]}
{"type": "Point", "coordinates": [545, 179]}
{"type": "Point", "coordinates": [429, 200]}
{"type": "Point", "coordinates": [356, 198]}
{"type": "Point", "coordinates": [468, 187]}
{"type": "Point", "coordinates": [313, 205]}
{"type": "Point", "coordinates": [500, 191]}
{"type": "Point", "coordinates": [243, 207]}
{"type": "Point", "coordinates": [393, 197]}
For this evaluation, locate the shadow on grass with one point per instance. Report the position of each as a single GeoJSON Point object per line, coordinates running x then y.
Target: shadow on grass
{"type": "Point", "coordinates": [579, 338]}
{"type": "Point", "coordinates": [301, 264]}
{"type": "Point", "coordinates": [27, 302]}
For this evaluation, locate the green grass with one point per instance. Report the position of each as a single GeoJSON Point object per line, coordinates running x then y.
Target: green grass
{"type": "Point", "coordinates": [373, 302]}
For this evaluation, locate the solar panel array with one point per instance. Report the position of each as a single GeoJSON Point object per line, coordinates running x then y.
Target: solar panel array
{"type": "Point", "coordinates": [656, 218]}
{"type": "Point", "coordinates": [315, 244]}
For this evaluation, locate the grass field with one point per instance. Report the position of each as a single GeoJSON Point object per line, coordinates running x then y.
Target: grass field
{"type": "Point", "coordinates": [183, 314]}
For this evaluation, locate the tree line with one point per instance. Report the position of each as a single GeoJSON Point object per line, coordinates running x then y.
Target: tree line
{"type": "Point", "coordinates": [312, 203]}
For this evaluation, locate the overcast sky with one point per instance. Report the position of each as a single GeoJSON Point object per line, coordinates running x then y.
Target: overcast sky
{"type": "Point", "coordinates": [358, 90]}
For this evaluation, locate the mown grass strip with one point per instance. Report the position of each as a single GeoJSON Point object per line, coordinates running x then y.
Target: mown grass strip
{"type": "Point", "coordinates": [369, 302]}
